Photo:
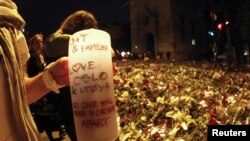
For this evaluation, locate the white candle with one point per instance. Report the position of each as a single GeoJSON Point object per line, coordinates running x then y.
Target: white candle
{"type": "Point", "coordinates": [92, 89]}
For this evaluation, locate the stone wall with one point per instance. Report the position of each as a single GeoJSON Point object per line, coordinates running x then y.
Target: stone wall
{"type": "Point", "coordinates": [173, 27]}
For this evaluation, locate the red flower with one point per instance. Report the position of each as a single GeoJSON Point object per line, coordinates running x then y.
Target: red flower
{"type": "Point", "coordinates": [213, 116]}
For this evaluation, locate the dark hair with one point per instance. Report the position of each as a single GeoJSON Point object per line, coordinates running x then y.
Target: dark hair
{"type": "Point", "coordinates": [35, 38]}
{"type": "Point", "coordinates": [77, 21]}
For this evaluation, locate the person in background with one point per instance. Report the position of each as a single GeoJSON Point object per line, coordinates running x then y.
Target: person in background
{"type": "Point", "coordinates": [56, 46]}
{"type": "Point", "coordinates": [44, 111]}
{"type": "Point", "coordinates": [17, 90]}
{"type": "Point", "coordinates": [36, 62]}
{"type": "Point", "coordinates": [46, 117]}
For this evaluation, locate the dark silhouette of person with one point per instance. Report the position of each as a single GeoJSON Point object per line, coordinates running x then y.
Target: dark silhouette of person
{"type": "Point", "coordinates": [56, 46]}
{"type": "Point", "coordinates": [44, 111]}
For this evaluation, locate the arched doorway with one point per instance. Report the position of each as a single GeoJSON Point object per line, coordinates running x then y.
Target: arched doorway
{"type": "Point", "coordinates": [151, 44]}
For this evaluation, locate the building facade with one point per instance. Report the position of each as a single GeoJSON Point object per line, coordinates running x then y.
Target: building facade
{"type": "Point", "coordinates": [174, 29]}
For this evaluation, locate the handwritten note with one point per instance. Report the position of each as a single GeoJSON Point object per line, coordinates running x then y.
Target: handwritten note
{"type": "Point", "coordinates": [91, 83]}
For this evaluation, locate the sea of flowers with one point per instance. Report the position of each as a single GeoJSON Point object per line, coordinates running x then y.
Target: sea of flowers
{"type": "Point", "coordinates": [166, 101]}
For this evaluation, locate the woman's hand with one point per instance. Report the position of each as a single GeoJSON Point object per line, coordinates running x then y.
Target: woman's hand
{"type": "Point", "coordinates": [59, 70]}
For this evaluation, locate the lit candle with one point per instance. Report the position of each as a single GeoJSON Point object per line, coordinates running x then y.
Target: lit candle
{"type": "Point", "coordinates": [91, 83]}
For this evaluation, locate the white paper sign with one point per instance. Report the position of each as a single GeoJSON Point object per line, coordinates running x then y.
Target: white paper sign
{"type": "Point", "coordinates": [91, 83]}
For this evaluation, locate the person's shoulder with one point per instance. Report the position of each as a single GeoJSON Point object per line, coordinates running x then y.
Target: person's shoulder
{"type": "Point", "coordinates": [56, 45]}
{"type": "Point", "coordinates": [56, 38]}
{"type": "Point", "coordinates": [59, 35]}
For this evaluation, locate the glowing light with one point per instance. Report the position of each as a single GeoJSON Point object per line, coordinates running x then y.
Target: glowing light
{"type": "Point", "coordinates": [193, 42]}
{"type": "Point", "coordinates": [211, 33]}
{"type": "Point", "coordinates": [220, 26]}
{"type": "Point", "coordinates": [123, 54]}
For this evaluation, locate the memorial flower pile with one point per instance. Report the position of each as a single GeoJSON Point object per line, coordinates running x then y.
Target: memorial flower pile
{"type": "Point", "coordinates": [168, 101]}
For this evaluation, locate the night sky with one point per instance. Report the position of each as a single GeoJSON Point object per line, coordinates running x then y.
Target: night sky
{"type": "Point", "coordinates": [45, 16]}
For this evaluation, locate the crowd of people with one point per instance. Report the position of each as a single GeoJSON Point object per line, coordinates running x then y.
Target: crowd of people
{"type": "Point", "coordinates": [45, 111]}
{"type": "Point", "coordinates": [34, 91]}
{"type": "Point", "coordinates": [52, 112]}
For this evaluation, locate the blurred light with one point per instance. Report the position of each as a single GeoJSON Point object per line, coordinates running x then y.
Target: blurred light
{"type": "Point", "coordinates": [123, 54]}
{"type": "Point", "coordinates": [211, 33]}
{"type": "Point", "coordinates": [193, 42]}
{"type": "Point", "coordinates": [227, 23]}
{"type": "Point", "coordinates": [220, 26]}
{"type": "Point", "coordinates": [213, 16]}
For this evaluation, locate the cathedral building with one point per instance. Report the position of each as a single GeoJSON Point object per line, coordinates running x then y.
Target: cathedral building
{"type": "Point", "coordinates": [173, 29]}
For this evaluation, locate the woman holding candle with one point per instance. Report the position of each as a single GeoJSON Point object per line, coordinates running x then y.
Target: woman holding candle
{"type": "Point", "coordinates": [17, 91]}
{"type": "Point", "coordinates": [56, 46]}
